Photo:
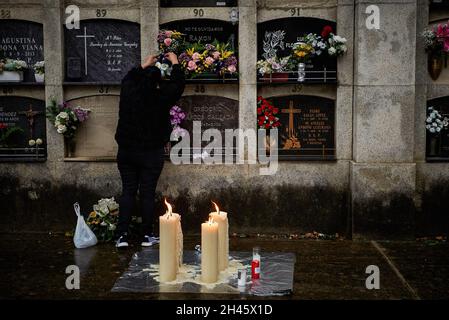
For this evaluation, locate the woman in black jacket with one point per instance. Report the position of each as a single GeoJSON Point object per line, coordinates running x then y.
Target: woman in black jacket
{"type": "Point", "coordinates": [142, 132]}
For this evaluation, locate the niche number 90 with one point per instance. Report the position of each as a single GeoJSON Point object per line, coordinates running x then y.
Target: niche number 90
{"type": "Point", "coordinates": [198, 12]}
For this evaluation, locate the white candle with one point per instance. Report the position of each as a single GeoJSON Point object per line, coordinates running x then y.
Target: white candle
{"type": "Point", "coordinates": [209, 251]}
{"type": "Point", "coordinates": [170, 247]}
{"type": "Point", "coordinates": [221, 218]}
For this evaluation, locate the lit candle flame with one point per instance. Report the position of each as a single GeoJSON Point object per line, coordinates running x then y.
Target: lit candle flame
{"type": "Point", "coordinates": [211, 220]}
{"type": "Point", "coordinates": [169, 207]}
{"type": "Point", "coordinates": [216, 207]}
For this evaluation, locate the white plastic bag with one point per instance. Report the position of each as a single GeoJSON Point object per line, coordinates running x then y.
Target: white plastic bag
{"type": "Point", "coordinates": [84, 237]}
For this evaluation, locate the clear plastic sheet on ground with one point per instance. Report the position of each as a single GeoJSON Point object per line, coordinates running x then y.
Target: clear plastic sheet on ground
{"type": "Point", "coordinates": [277, 269]}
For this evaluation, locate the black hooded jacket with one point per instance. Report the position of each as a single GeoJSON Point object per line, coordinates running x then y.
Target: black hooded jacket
{"type": "Point", "coordinates": [144, 116]}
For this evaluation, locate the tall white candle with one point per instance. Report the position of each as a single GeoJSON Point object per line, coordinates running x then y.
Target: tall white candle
{"type": "Point", "coordinates": [209, 251]}
{"type": "Point", "coordinates": [221, 218]}
{"type": "Point", "coordinates": [170, 247]}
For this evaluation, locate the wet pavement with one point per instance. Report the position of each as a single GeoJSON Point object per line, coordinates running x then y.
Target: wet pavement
{"type": "Point", "coordinates": [33, 267]}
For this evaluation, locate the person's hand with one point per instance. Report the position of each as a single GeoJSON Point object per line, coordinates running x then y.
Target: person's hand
{"type": "Point", "coordinates": [170, 56]}
{"type": "Point", "coordinates": [149, 61]}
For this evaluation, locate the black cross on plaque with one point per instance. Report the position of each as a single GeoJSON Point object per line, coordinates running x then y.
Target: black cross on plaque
{"type": "Point", "coordinates": [30, 114]}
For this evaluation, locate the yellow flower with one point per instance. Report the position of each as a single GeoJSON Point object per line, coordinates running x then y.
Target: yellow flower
{"type": "Point", "coordinates": [93, 214]}
{"type": "Point", "coordinates": [226, 54]}
{"type": "Point", "coordinates": [190, 51]}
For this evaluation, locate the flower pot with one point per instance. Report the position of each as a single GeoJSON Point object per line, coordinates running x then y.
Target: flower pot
{"type": "Point", "coordinates": [434, 146]}
{"type": "Point", "coordinates": [301, 72]}
{"type": "Point", "coordinates": [11, 76]}
{"type": "Point", "coordinates": [70, 147]}
{"type": "Point", "coordinates": [40, 77]}
{"type": "Point", "coordinates": [275, 77]}
{"type": "Point", "coordinates": [435, 65]}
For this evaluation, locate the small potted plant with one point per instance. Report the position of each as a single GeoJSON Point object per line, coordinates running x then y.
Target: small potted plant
{"type": "Point", "coordinates": [39, 71]}
{"type": "Point", "coordinates": [273, 69]}
{"type": "Point", "coordinates": [12, 70]}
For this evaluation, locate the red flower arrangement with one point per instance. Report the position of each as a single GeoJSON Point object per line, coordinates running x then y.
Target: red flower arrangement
{"type": "Point", "coordinates": [326, 31]}
{"type": "Point", "coordinates": [266, 114]}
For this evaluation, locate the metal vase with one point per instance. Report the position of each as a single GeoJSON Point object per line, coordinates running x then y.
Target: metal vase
{"type": "Point", "coordinates": [301, 72]}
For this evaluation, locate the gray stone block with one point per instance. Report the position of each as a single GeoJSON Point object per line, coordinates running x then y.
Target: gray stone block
{"type": "Point", "coordinates": [384, 123]}
{"type": "Point", "coordinates": [383, 200]}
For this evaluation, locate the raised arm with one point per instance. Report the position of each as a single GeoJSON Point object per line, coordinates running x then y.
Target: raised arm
{"type": "Point", "coordinates": [172, 89]}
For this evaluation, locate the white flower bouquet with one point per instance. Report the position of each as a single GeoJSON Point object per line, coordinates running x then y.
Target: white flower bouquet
{"type": "Point", "coordinates": [435, 123]}
{"type": "Point", "coordinates": [336, 45]}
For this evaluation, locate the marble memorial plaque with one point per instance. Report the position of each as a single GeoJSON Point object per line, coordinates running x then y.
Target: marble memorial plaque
{"type": "Point", "coordinates": [22, 40]}
{"type": "Point", "coordinates": [214, 112]}
{"type": "Point", "coordinates": [277, 37]}
{"type": "Point", "coordinates": [101, 50]}
{"type": "Point", "coordinates": [205, 30]}
{"type": "Point", "coordinates": [95, 137]}
{"type": "Point", "coordinates": [307, 128]}
{"type": "Point", "coordinates": [28, 115]}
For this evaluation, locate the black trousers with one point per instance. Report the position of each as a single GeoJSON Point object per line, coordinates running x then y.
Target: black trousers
{"type": "Point", "coordinates": [139, 171]}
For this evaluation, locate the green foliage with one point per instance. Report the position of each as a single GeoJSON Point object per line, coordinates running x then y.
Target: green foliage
{"type": "Point", "coordinates": [6, 134]}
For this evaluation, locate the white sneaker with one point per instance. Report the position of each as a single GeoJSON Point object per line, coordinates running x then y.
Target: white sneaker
{"type": "Point", "coordinates": [122, 242]}
{"type": "Point", "coordinates": [149, 241]}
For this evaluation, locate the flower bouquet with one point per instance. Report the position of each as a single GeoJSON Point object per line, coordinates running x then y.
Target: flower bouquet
{"type": "Point", "coordinates": [337, 45]}
{"type": "Point", "coordinates": [435, 123]}
{"type": "Point", "coordinates": [329, 42]}
{"type": "Point", "coordinates": [210, 59]}
{"type": "Point", "coordinates": [12, 70]}
{"type": "Point", "coordinates": [39, 71]}
{"type": "Point", "coordinates": [301, 54]}
{"type": "Point", "coordinates": [103, 219]}
{"type": "Point", "coordinates": [176, 117]}
{"type": "Point", "coordinates": [267, 119]}
{"type": "Point", "coordinates": [170, 41]}
{"type": "Point", "coordinates": [67, 120]}
{"type": "Point", "coordinates": [274, 69]}
{"type": "Point", "coordinates": [436, 44]}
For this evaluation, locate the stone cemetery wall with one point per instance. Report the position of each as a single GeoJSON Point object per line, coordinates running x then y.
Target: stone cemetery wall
{"type": "Point", "coordinates": [355, 158]}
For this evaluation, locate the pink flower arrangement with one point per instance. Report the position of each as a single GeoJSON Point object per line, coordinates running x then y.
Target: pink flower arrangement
{"type": "Point", "coordinates": [191, 65]}
{"type": "Point", "coordinates": [169, 40]}
{"type": "Point", "coordinates": [436, 40]}
{"type": "Point", "coordinates": [197, 58]}
{"type": "Point", "coordinates": [213, 58]}
{"type": "Point", "coordinates": [442, 33]}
